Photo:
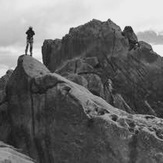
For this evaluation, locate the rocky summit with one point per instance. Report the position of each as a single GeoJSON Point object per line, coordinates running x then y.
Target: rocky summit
{"type": "Point", "coordinates": [98, 54]}
{"type": "Point", "coordinates": [96, 99]}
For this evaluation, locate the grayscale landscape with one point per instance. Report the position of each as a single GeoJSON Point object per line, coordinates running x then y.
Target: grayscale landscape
{"type": "Point", "coordinates": [90, 91]}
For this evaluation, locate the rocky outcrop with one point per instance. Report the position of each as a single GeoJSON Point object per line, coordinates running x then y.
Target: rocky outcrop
{"type": "Point", "coordinates": [131, 36]}
{"type": "Point", "coordinates": [4, 79]}
{"type": "Point", "coordinates": [88, 105]}
{"type": "Point", "coordinates": [97, 51]}
{"type": "Point", "coordinates": [3, 82]}
{"type": "Point", "coordinates": [49, 47]}
{"type": "Point", "coordinates": [95, 38]}
{"type": "Point", "coordinates": [53, 119]}
{"type": "Point", "coordinates": [4, 118]}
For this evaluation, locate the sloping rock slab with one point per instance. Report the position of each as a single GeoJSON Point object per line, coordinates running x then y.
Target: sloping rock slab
{"type": "Point", "coordinates": [8, 154]}
{"type": "Point", "coordinates": [55, 120]}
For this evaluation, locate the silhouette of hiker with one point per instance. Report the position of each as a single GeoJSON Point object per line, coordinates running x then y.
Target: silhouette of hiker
{"type": "Point", "coordinates": [30, 33]}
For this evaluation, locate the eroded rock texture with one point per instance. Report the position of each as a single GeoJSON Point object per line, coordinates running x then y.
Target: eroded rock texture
{"type": "Point", "coordinates": [4, 118]}
{"type": "Point", "coordinates": [8, 154]}
{"type": "Point", "coordinates": [131, 36]}
{"type": "Point", "coordinates": [96, 52]}
{"type": "Point", "coordinates": [53, 119]}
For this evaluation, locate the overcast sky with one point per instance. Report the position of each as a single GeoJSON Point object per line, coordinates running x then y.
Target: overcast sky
{"type": "Point", "coordinates": [53, 18]}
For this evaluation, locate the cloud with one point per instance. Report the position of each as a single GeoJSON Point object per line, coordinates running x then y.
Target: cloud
{"type": "Point", "coordinates": [9, 55]}
{"type": "Point", "coordinates": [158, 49]}
{"type": "Point", "coordinates": [54, 16]}
{"type": "Point", "coordinates": [151, 36]}
{"type": "Point", "coordinates": [49, 18]}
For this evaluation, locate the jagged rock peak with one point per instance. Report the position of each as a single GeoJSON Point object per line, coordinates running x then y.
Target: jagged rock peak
{"type": "Point", "coordinates": [94, 38]}
{"type": "Point", "coordinates": [95, 27]}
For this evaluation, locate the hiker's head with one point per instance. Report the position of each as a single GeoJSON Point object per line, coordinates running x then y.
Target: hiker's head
{"type": "Point", "coordinates": [30, 27]}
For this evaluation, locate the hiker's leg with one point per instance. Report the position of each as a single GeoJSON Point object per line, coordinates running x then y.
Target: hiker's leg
{"type": "Point", "coordinates": [31, 48]}
{"type": "Point", "coordinates": [26, 49]}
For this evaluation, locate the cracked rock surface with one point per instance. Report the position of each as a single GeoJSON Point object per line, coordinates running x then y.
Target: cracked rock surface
{"type": "Point", "coordinates": [98, 56]}
{"type": "Point", "coordinates": [52, 119]}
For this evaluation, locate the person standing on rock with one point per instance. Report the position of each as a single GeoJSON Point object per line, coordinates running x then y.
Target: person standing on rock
{"type": "Point", "coordinates": [30, 33]}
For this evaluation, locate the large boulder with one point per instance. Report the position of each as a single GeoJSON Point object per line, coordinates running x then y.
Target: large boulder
{"type": "Point", "coordinates": [53, 119]}
{"type": "Point", "coordinates": [93, 53]}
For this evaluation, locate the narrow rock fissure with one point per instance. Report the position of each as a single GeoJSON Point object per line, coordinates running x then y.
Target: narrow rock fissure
{"type": "Point", "coordinates": [133, 149]}
{"type": "Point", "coordinates": [76, 66]}
{"type": "Point", "coordinates": [114, 39]}
{"type": "Point", "coordinates": [88, 72]}
{"type": "Point", "coordinates": [44, 90]}
{"type": "Point", "coordinates": [32, 110]}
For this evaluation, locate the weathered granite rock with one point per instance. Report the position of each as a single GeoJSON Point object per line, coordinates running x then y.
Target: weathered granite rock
{"type": "Point", "coordinates": [98, 51]}
{"type": "Point", "coordinates": [53, 119]}
{"type": "Point", "coordinates": [20, 103]}
{"type": "Point", "coordinates": [4, 118]}
{"type": "Point", "coordinates": [131, 36]}
{"type": "Point", "coordinates": [49, 47]}
{"type": "Point", "coordinates": [4, 79]}
{"type": "Point", "coordinates": [94, 38]}
{"type": "Point", "coordinates": [3, 82]}
{"type": "Point", "coordinates": [8, 154]}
